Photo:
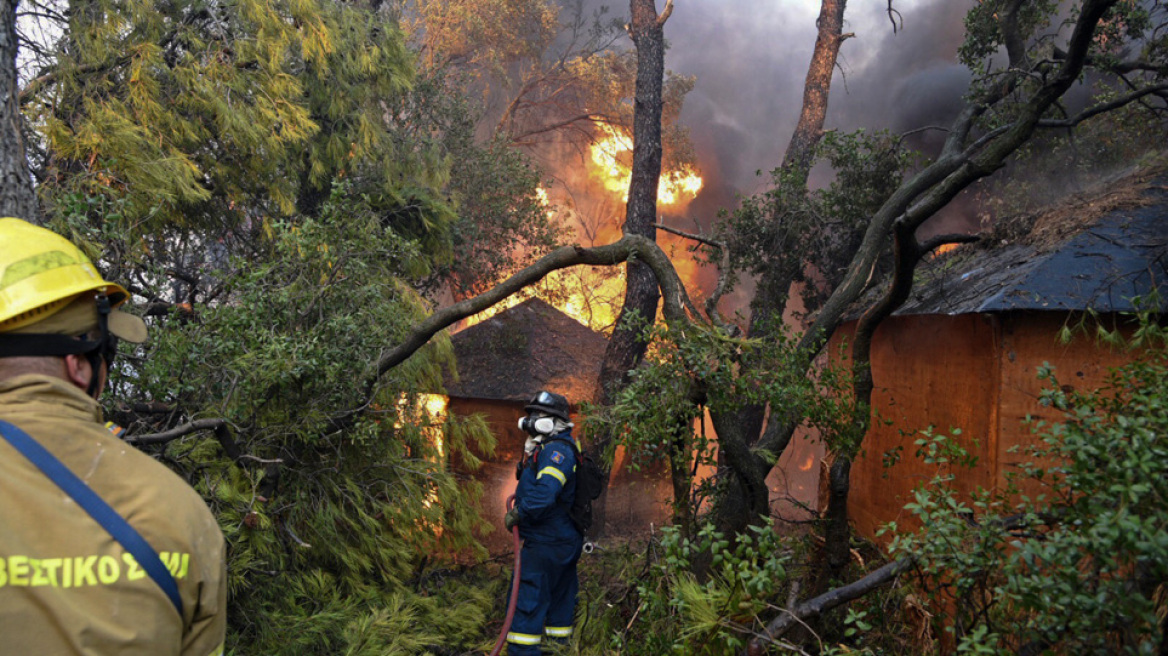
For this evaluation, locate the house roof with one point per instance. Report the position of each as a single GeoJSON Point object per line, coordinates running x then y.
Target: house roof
{"type": "Point", "coordinates": [1099, 250]}
{"type": "Point", "coordinates": [525, 349]}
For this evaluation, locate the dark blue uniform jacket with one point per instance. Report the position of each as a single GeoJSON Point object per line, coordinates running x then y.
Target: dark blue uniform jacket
{"type": "Point", "coordinates": [547, 487]}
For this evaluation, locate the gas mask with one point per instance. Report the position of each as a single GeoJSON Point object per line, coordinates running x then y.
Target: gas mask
{"type": "Point", "coordinates": [537, 425]}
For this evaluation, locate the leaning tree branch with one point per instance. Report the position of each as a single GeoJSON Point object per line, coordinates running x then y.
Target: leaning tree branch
{"type": "Point", "coordinates": [677, 305]}
{"type": "Point", "coordinates": [1102, 108]}
{"type": "Point", "coordinates": [955, 169]}
{"type": "Point", "coordinates": [723, 274]}
{"type": "Point", "coordinates": [825, 602]}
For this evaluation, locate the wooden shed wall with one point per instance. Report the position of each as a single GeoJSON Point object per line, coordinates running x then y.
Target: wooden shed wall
{"type": "Point", "coordinates": [1030, 339]}
{"type": "Point", "coordinates": [497, 474]}
{"type": "Point", "coordinates": [928, 370]}
{"type": "Point", "coordinates": [973, 372]}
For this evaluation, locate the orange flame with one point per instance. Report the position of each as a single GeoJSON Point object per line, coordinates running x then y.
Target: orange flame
{"type": "Point", "coordinates": [589, 295]}
{"type": "Point", "coordinates": [429, 412]}
{"type": "Point", "coordinates": [944, 248]}
{"type": "Point", "coordinates": [611, 154]}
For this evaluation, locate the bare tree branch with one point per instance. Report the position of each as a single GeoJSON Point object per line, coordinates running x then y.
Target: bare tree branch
{"type": "Point", "coordinates": [1104, 107]}
{"type": "Point", "coordinates": [665, 13]}
{"type": "Point", "coordinates": [677, 304]}
{"type": "Point", "coordinates": [825, 602]}
{"type": "Point", "coordinates": [689, 235]}
{"type": "Point", "coordinates": [177, 432]}
{"type": "Point", "coordinates": [894, 16]}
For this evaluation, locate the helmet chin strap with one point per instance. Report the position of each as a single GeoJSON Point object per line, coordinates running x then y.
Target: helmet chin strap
{"type": "Point", "coordinates": [101, 353]}
{"type": "Point", "coordinates": [102, 347]}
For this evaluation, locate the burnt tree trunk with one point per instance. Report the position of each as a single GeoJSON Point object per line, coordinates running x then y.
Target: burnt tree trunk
{"type": "Point", "coordinates": [626, 347]}
{"type": "Point", "coordinates": [17, 197]}
{"type": "Point", "coordinates": [744, 496]}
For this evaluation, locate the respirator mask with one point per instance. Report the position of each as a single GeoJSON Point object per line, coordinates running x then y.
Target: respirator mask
{"type": "Point", "coordinates": [537, 426]}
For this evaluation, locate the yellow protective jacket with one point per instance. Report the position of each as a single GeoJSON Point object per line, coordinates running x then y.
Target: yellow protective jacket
{"type": "Point", "coordinates": [66, 586]}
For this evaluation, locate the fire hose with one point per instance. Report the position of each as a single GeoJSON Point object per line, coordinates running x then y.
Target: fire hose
{"type": "Point", "coordinates": [514, 587]}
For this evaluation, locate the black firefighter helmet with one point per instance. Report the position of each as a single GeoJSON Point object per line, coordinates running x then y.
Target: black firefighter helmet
{"type": "Point", "coordinates": [549, 402]}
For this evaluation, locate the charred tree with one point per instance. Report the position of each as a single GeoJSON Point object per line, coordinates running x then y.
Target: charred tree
{"type": "Point", "coordinates": [17, 197]}
{"type": "Point", "coordinates": [627, 346]}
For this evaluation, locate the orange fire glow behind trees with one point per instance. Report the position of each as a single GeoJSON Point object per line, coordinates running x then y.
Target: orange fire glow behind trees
{"type": "Point", "coordinates": [594, 296]}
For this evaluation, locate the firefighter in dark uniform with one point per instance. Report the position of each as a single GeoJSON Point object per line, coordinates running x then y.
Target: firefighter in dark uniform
{"type": "Point", "coordinates": [546, 604]}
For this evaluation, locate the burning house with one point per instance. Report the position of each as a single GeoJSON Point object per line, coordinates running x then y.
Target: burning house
{"type": "Point", "coordinates": [502, 363]}
{"type": "Point", "coordinates": [964, 350]}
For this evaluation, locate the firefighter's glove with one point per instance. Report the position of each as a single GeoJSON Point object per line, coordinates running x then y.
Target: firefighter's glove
{"type": "Point", "coordinates": [511, 519]}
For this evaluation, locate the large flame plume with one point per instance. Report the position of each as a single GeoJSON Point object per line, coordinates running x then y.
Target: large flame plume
{"type": "Point", "coordinates": [611, 155]}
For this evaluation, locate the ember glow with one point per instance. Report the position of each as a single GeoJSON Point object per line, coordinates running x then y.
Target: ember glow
{"type": "Point", "coordinates": [944, 248]}
{"type": "Point", "coordinates": [612, 156]}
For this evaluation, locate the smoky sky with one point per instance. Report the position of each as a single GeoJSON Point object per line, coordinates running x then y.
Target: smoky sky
{"type": "Point", "coordinates": [750, 60]}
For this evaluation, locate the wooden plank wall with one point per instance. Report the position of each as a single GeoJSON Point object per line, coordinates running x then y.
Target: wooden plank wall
{"type": "Point", "coordinates": [974, 372]}
{"type": "Point", "coordinates": [929, 371]}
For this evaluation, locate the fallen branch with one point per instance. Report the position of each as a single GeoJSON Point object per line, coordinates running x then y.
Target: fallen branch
{"type": "Point", "coordinates": [222, 433]}
{"type": "Point", "coordinates": [825, 602]}
{"type": "Point", "coordinates": [177, 432]}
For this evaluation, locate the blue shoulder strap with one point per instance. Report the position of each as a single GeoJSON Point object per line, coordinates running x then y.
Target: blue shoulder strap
{"type": "Point", "coordinates": [97, 508]}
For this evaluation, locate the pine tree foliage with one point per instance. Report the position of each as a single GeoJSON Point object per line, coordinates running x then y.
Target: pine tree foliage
{"type": "Point", "coordinates": [482, 35]}
{"type": "Point", "coordinates": [215, 113]}
{"type": "Point", "coordinates": [341, 497]}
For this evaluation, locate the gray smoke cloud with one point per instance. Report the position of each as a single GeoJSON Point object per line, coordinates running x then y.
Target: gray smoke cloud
{"type": "Point", "coordinates": [751, 58]}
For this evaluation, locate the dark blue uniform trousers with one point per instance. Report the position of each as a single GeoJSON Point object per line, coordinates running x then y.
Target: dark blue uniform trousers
{"type": "Point", "coordinates": [546, 606]}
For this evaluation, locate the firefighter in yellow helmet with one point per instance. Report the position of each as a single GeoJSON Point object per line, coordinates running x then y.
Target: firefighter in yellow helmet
{"type": "Point", "coordinates": [74, 579]}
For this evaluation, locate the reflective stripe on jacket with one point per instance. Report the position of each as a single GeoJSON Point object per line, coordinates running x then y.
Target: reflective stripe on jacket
{"type": "Point", "coordinates": [66, 586]}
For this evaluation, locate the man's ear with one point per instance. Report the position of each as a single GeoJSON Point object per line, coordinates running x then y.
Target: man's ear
{"type": "Point", "coordinates": [78, 370]}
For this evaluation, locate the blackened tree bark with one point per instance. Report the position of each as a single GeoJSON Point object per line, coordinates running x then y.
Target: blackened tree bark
{"type": "Point", "coordinates": [17, 197]}
{"type": "Point", "coordinates": [745, 495]}
{"type": "Point", "coordinates": [626, 347]}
